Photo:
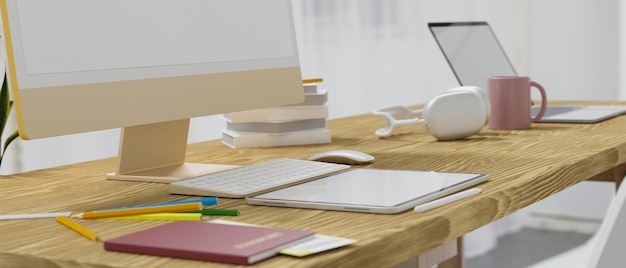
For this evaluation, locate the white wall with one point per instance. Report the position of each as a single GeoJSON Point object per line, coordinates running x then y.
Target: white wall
{"type": "Point", "coordinates": [574, 47]}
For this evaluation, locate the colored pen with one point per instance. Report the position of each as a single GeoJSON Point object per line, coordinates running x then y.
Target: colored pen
{"type": "Point", "coordinates": [161, 217]}
{"type": "Point", "coordinates": [34, 216]}
{"type": "Point", "coordinates": [312, 80]}
{"type": "Point", "coordinates": [446, 200]}
{"type": "Point", "coordinates": [205, 201]}
{"type": "Point", "coordinates": [138, 211]}
{"type": "Point", "coordinates": [77, 228]}
{"type": "Point", "coordinates": [217, 212]}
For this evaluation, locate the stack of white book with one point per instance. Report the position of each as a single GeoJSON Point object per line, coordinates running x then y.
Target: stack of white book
{"type": "Point", "coordinates": [297, 124]}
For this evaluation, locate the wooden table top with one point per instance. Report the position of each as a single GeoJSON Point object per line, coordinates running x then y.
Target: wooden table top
{"type": "Point", "coordinates": [523, 167]}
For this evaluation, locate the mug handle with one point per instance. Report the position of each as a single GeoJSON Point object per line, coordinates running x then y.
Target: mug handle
{"type": "Point", "coordinates": [544, 101]}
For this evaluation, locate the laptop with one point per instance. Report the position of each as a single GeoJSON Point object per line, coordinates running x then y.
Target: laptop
{"type": "Point", "coordinates": [474, 53]}
{"type": "Point", "coordinates": [368, 190]}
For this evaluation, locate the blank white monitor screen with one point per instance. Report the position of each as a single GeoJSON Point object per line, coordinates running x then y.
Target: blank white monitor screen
{"type": "Point", "coordinates": [100, 39]}
{"type": "Point", "coordinates": [77, 66]}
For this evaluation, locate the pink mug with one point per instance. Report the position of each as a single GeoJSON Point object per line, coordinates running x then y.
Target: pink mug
{"type": "Point", "coordinates": [509, 97]}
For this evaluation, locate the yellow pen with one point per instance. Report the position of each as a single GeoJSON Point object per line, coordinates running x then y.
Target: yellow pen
{"type": "Point", "coordinates": [312, 80]}
{"type": "Point", "coordinates": [77, 228]}
{"type": "Point", "coordinates": [138, 211]}
{"type": "Point", "coordinates": [161, 217]}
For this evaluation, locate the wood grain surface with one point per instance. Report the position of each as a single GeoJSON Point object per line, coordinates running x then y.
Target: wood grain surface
{"type": "Point", "coordinates": [523, 167]}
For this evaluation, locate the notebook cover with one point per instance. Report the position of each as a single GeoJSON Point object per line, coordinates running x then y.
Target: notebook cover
{"type": "Point", "coordinates": [204, 241]}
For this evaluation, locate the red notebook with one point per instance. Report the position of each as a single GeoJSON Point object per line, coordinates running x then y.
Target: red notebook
{"type": "Point", "coordinates": [235, 244]}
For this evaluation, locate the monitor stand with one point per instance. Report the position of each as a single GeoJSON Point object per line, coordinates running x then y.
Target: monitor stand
{"type": "Point", "coordinates": [156, 153]}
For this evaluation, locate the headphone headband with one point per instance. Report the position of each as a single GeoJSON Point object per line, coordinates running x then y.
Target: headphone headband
{"type": "Point", "coordinates": [456, 114]}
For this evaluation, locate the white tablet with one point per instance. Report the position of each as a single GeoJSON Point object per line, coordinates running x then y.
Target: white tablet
{"type": "Point", "coordinates": [370, 190]}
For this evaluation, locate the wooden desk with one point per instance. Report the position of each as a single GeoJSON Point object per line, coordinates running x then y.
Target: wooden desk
{"type": "Point", "coordinates": [524, 167]}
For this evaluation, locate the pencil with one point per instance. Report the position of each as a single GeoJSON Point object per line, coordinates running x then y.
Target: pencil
{"type": "Point", "coordinates": [312, 80]}
{"type": "Point", "coordinates": [205, 201]}
{"type": "Point", "coordinates": [217, 212]}
{"type": "Point", "coordinates": [161, 217]}
{"type": "Point", "coordinates": [138, 211]}
{"type": "Point", "coordinates": [77, 228]}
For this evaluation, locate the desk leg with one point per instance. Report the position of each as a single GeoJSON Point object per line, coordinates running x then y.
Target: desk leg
{"type": "Point", "coordinates": [457, 260]}
{"type": "Point", "coordinates": [615, 174]}
{"type": "Point", "coordinates": [441, 255]}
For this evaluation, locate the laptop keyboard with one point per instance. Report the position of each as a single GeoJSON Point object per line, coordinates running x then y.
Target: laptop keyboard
{"type": "Point", "coordinates": [554, 110]}
{"type": "Point", "coordinates": [255, 179]}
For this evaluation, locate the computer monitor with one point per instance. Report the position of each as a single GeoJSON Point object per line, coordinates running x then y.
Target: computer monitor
{"type": "Point", "coordinates": [146, 66]}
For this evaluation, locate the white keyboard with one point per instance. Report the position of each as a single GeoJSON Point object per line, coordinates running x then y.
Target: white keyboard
{"type": "Point", "coordinates": [255, 179]}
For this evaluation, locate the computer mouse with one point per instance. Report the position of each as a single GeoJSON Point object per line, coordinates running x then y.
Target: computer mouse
{"type": "Point", "coordinates": [348, 157]}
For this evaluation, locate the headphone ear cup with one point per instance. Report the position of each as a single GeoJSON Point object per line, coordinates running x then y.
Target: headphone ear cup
{"type": "Point", "coordinates": [455, 115]}
{"type": "Point", "coordinates": [481, 93]}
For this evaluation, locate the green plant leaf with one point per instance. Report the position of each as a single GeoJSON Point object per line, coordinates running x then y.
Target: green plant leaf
{"type": "Point", "coordinates": [9, 139]}
{"type": "Point", "coordinates": [5, 109]}
{"type": "Point", "coordinates": [5, 104]}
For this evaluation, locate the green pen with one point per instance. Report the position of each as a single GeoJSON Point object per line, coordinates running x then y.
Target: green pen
{"type": "Point", "coordinates": [217, 212]}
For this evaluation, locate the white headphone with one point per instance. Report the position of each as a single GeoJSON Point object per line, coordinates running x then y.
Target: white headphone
{"type": "Point", "coordinates": [458, 113]}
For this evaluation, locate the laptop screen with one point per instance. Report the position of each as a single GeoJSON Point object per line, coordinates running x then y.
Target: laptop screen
{"type": "Point", "coordinates": [472, 51]}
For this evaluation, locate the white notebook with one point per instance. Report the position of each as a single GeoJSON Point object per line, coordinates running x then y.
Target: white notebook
{"type": "Point", "coordinates": [370, 190]}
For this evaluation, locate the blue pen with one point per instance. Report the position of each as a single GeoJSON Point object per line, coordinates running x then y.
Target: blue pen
{"type": "Point", "coordinates": [205, 202]}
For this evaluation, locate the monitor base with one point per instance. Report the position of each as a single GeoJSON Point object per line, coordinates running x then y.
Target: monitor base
{"type": "Point", "coordinates": [156, 153]}
{"type": "Point", "coordinates": [171, 174]}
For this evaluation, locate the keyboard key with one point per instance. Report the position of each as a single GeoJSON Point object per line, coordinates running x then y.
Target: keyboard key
{"type": "Point", "coordinates": [255, 179]}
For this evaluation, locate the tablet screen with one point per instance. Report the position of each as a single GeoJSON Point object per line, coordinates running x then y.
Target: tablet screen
{"type": "Point", "coordinates": [380, 188]}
